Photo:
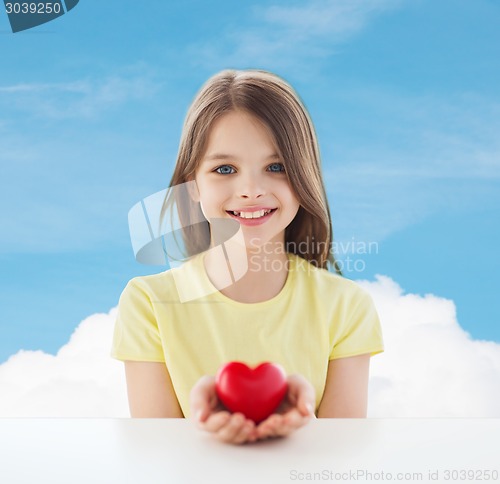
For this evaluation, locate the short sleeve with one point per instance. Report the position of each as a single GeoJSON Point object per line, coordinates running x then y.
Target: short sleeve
{"type": "Point", "coordinates": [359, 331]}
{"type": "Point", "coordinates": [136, 335]}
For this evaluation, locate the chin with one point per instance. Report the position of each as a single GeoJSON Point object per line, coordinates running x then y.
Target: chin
{"type": "Point", "coordinates": [255, 242]}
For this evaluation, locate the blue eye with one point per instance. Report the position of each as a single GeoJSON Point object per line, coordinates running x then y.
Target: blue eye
{"type": "Point", "coordinates": [223, 166]}
{"type": "Point", "coordinates": [281, 170]}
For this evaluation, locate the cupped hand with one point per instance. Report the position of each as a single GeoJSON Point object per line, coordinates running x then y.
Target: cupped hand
{"type": "Point", "coordinates": [296, 409]}
{"type": "Point", "coordinates": [210, 415]}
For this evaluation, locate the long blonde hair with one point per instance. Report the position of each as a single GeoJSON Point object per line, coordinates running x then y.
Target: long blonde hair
{"type": "Point", "coordinates": [274, 102]}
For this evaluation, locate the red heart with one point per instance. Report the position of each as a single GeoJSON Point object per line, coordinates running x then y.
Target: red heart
{"type": "Point", "coordinates": [255, 393]}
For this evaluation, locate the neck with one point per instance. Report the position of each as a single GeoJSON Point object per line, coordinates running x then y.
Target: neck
{"type": "Point", "coordinates": [257, 274]}
{"type": "Point", "coordinates": [257, 258]}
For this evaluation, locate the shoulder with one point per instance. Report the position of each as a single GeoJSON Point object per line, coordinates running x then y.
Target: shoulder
{"type": "Point", "coordinates": [151, 287]}
{"type": "Point", "coordinates": [328, 284]}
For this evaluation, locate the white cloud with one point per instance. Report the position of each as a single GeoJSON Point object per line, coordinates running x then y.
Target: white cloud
{"type": "Point", "coordinates": [282, 35]}
{"type": "Point", "coordinates": [79, 86]}
{"type": "Point", "coordinates": [84, 98]}
{"type": "Point", "coordinates": [82, 380]}
{"type": "Point", "coordinates": [431, 367]}
{"type": "Point", "coordinates": [341, 18]}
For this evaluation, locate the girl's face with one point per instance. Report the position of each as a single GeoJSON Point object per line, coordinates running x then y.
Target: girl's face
{"type": "Point", "coordinates": [241, 171]}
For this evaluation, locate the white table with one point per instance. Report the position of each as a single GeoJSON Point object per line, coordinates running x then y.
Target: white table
{"type": "Point", "coordinates": [150, 451]}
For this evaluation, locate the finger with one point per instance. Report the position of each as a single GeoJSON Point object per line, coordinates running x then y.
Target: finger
{"type": "Point", "coordinates": [202, 414]}
{"type": "Point", "coordinates": [304, 394]}
{"type": "Point", "coordinates": [253, 436]}
{"type": "Point", "coordinates": [290, 421]}
{"type": "Point", "coordinates": [229, 431]}
{"type": "Point", "coordinates": [201, 398]}
{"type": "Point", "coordinates": [234, 432]}
{"type": "Point", "coordinates": [306, 407]}
{"type": "Point", "coordinates": [244, 434]}
{"type": "Point", "coordinates": [216, 421]}
{"type": "Point", "coordinates": [294, 419]}
{"type": "Point", "coordinates": [269, 427]}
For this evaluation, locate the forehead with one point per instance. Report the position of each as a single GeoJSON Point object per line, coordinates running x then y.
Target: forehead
{"type": "Point", "coordinates": [239, 132]}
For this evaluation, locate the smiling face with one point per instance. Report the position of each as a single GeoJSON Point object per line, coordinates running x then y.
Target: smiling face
{"type": "Point", "coordinates": [241, 171]}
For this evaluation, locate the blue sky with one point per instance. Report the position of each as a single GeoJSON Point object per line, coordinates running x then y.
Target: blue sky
{"type": "Point", "coordinates": [405, 97]}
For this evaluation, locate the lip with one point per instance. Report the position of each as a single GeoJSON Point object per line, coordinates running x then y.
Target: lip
{"type": "Point", "coordinates": [252, 209]}
{"type": "Point", "coordinates": [253, 221]}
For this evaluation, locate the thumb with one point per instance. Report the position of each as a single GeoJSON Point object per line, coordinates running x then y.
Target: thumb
{"type": "Point", "coordinates": [305, 406]}
{"type": "Point", "coordinates": [200, 411]}
{"type": "Point", "coordinates": [201, 414]}
{"type": "Point", "coordinates": [200, 398]}
{"type": "Point", "coordinates": [305, 393]}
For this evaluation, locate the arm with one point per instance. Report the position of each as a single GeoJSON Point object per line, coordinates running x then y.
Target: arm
{"type": "Point", "coordinates": [150, 391]}
{"type": "Point", "coordinates": [346, 391]}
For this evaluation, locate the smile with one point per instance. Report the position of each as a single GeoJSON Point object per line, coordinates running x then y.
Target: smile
{"type": "Point", "coordinates": [250, 219]}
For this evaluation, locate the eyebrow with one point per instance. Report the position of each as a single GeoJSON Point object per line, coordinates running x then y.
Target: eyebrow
{"type": "Point", "coordinates": [224, 156]}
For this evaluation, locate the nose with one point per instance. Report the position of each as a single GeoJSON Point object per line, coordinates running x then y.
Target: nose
{"type": "Point", "coordinates": [251, 186]}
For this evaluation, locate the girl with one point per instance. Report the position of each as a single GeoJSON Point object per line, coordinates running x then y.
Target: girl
{"type": "Point", "coordinates": [255, 286]}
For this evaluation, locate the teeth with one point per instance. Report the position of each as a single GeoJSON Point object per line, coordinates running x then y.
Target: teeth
{"type": "Point", "coordinates": [257, 214]}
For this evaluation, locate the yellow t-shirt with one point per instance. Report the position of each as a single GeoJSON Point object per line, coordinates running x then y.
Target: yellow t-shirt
{"type": "Point", "coordinates": [317, 316]}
